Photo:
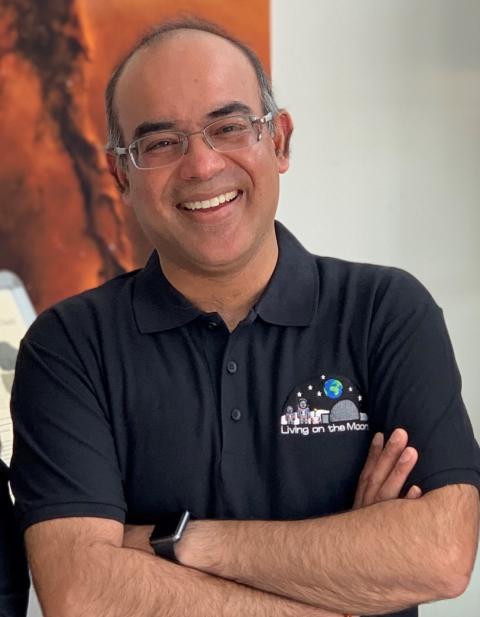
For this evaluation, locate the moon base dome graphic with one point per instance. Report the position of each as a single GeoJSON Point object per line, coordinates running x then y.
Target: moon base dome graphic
{"type": "Point", "coordinates": [344, 411]}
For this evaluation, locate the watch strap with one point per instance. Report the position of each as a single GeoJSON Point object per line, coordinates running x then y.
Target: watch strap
{"type": "Point", "coordinates": [164, 546]}
{"type": "Point", "coordinates": [166, 550]}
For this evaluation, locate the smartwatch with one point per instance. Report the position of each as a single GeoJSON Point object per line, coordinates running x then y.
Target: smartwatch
{"type": "Point", "coordinates": [167, 532]}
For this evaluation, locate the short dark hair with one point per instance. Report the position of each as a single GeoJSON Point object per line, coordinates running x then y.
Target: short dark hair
{"type": "Point", "coordinates": [115, 136]}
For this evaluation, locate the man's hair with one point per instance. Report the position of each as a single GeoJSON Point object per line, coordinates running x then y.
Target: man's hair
{"type": "Point", "coordinates": [115, 136]}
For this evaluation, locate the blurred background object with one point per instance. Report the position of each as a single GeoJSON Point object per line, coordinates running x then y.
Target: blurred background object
{"type": "Point", "coordinates": [63, 227]}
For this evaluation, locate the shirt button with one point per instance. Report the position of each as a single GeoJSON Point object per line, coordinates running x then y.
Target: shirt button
{"type": "Point", "coordinates": [212, 325]}
{"type": "Point", "coordinates": [232, 367]}
{"type": "Point", "coordinates": [236, 415]}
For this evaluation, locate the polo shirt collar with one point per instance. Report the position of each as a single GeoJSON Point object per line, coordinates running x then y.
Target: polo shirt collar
{"type": "Point", "coordinates": [157, 304]}
{"type": "Point", "coordinates": [290, 299]}
{"type": "Point", "coordinates": [291, 296]}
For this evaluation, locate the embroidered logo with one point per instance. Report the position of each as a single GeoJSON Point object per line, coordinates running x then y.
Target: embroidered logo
{"type": "Point", "coordinates": [330, 404]}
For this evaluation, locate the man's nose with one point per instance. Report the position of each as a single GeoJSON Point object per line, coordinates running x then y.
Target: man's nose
{"type": "Point", "coordinates": [200, 161]}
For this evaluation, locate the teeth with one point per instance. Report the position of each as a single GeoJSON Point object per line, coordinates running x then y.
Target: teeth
{"type": "Point", "coordinates": [210, 203]}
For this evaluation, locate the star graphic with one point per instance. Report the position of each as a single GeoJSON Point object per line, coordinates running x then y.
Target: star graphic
{"type": "Point", "coordinates": [359, 397]}
{"type": "Point", "coordinates": [323, 376]}
{"type": "Point", "coordinates": [310, 387]}
{"type": "Point", "coordinates": [350, 389]}
{"type": "Point", "coordinates": [299, 394]}
{"type": "Point", "coordinates": [319, 393]}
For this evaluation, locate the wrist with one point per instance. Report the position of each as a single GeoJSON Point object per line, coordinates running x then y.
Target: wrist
{"type": "Point", "coordinates": [137, 537]}
{"type": "Point", "coordinates": [201, 546]}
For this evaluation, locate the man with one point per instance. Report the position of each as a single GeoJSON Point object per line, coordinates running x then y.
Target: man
{"type": "Point", "coordinates": [14, 580]}
{"type": "Point", "coordinates": [163, 390]}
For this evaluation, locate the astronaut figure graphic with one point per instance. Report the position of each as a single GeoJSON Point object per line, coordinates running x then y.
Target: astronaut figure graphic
{"type": "Point", "coordinates": [290, 414]}
{"type": "Point", "coordinates": [303, 411]}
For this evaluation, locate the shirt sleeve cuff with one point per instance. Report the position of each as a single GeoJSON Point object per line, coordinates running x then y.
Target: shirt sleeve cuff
{"type": "Point", "coordinates": [450, 476]}
{"type": "Point", "coordinates": [71, 509]}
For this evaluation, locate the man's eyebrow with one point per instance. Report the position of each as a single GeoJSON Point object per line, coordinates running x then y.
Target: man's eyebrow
{"type": "Point", "coordinates": [235, 107]}
{"type": "Point", "coordinates": [151, 127]}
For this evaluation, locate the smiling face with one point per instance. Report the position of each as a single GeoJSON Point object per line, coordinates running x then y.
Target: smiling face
{"type": "Point", "coordinates": [185, 82]}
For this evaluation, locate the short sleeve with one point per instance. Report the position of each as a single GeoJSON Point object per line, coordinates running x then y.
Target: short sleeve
{"type": "Point", "coordinates": [64, 459]}
{"type": "Point", "coordinates": [415, 384]}
{"type": "Point", "coordinates": [14, 580]}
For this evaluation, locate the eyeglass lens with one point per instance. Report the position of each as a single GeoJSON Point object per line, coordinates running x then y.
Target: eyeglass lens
{"type": "Point", "coordinates": [164, 147]}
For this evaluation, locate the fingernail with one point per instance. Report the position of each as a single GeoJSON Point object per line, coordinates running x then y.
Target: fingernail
{"type": "Point", "coordinates": [377, 439]}
{"type": "Point", "coordinates": [406, 456]}
{"type": "Point", "coordinates": [396, 436]}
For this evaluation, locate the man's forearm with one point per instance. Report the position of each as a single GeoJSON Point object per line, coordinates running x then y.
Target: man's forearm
{"type": "Point", "coordinates": [150, 587]}
{"type": "Point", "coordinates": [377, 559]}
{"type": "Point", "coordinates": [109, 581]}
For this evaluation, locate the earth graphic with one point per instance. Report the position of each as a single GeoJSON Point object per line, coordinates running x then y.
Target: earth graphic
{"type": "Point", "coordinates": [333, 388]}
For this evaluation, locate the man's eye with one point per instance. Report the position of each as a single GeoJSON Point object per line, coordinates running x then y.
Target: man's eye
{"type": "Point", "coordinates": [161, 144]}
{"type": "Point", "coordinates": [233, 127]}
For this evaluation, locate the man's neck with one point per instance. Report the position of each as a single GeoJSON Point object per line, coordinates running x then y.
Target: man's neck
{"type": "Point", "coordinates": [230, 293]}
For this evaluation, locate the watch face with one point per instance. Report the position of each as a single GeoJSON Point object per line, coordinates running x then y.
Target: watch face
{"type": "Point", "coordinates": [170, 525]}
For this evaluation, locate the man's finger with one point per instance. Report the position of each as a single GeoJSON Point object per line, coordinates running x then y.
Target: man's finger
{"type": "Point", "coordinates": [385, 464]}
{"type": "Point", "coordinates": [374, 454]}
{"type": "Point", "coordinates": [397, 477]}
{"type": "Point", "coordinates": [414, 492]}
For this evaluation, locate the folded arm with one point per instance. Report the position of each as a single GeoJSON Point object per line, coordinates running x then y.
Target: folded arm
{"type": "Point", "coordinates": [87, 566]}
{"type": "Point", "coordinates": [80, 569]}
{"type": "Point", "coordinates": [294, 559]}
{"type": "Point", "coordinates": [377, 559]}
{"type": "Point", "coordinates": [386, 555]}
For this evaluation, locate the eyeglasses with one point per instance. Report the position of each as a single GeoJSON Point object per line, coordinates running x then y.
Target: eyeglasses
{"type": "Point", "coordinates": [165, 147]}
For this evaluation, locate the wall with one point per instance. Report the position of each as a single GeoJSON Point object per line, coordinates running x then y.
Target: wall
{"type": "Point", "coordinates": [385, 97]}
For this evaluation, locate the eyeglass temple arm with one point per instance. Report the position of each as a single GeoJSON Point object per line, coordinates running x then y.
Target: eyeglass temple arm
{"type": "Point", "coordinates": [264, 119]}
{"type": "Point", "coordinates": [119, 150]}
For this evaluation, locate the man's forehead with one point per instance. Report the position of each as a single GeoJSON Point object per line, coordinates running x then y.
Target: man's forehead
{"type": "Point", "coordinates": [176, 41]}
{"type": "Point", "coordinates": [185, 72]}
{"type": "Point", "coordinates": [175, 52]}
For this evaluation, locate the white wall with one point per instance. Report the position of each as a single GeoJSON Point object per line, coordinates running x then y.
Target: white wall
{"type": "Point", "coordinates": [385, 95]}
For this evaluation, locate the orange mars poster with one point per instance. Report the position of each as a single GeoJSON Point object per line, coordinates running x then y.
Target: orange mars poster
{"type": "Point", "coordinates": [63, 227]}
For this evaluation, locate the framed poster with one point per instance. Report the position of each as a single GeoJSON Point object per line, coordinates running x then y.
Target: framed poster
{"type": "Point", "coordinates": [63, 227]}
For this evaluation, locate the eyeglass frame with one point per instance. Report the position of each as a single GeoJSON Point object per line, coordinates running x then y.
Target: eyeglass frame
{"type": "Point", "coordinates": [184, 138]}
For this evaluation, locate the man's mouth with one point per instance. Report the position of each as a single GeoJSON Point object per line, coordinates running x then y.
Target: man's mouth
{"type": "Point", "coordinates": [207, 204]}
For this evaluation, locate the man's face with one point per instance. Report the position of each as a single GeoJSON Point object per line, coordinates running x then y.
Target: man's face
{"type": "Point", "coordinates": [187, 80]}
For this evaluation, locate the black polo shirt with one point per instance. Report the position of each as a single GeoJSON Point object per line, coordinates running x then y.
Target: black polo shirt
{"type": "Point", "coordinates": [129, 401]}
{"type": "Point", "coordinates": [14, 580]}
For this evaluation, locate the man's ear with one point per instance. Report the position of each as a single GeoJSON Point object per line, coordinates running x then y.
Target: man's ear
{"type": "Point", "coordinates": [281, 138]}
{"type": "Point", "coordinates": [118, 171]}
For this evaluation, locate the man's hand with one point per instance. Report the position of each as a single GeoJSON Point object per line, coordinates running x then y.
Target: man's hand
{"type": "Point", "coordinates": [386, 470]}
